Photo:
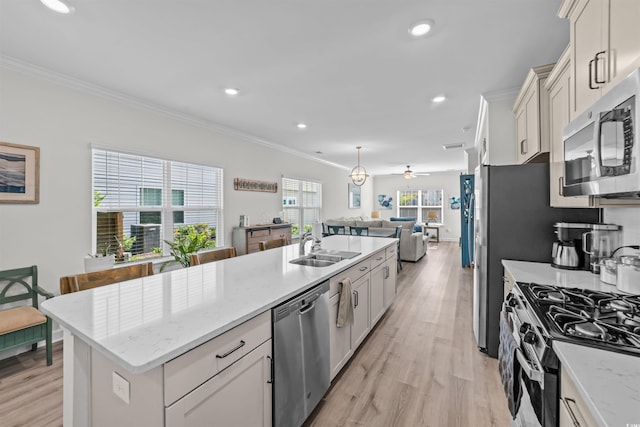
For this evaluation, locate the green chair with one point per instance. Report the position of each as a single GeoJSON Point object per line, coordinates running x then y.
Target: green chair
{"type": "Point", "coordinates": [25, 324]}
{"type": "Point", "coordinates": [336, 229]}
{"type": "Point", "coordinates": [359, 231]}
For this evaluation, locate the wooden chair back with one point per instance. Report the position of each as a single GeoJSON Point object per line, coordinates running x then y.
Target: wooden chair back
{"type": "Point", "coordinates": [213, 255]}
{"type": "Point", "coordinates": [336, 229]}
{"type": "Point", "coordinates": [359, 231]}
{"type": "Point", "coordinates": [84, 281]}
{"type": "Point", "coordinates": [275, 243]}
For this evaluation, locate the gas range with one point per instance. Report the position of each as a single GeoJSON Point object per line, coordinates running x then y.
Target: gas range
{"type": "Point", "coordinates": [606, 320]}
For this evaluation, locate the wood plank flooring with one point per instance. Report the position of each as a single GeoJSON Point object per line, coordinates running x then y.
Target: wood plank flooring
{"type": "Point", "coordinates": [418, 367]}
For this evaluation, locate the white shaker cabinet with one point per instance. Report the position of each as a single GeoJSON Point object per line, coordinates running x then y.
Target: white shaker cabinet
{"type": "Point", "coordinates": [605, 43]}
{"type": "Point", "coordinates": [531, 110]}
{"type": "Point", "coordinates": [360, 300]}
{"type": "Point", "coordinates": [376, 289]}
{"type": "Point", "coordinates": [239, 395]}
{"type": "Point", "coordinates": [340, 339]}
{"type": "Point", "coordinates": [559, 87]}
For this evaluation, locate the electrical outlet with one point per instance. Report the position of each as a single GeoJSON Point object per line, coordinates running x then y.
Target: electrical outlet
{"type": "Point", "coordinates": [121, 387]}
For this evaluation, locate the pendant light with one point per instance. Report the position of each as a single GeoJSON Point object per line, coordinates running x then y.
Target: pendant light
{"type": "Point", "coordinates": [358, 174]}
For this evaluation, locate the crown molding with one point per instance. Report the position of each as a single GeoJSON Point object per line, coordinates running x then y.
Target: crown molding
{"type": "Point", "coordinates": [20, 66]}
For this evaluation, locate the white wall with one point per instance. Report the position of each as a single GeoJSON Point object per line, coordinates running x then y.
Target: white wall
{"type": "Point", "coordinates": [449, 182]}
{"type": "Point", "coordinates": [55, 234]}
{"type": "Point", "coordinates": [629, 219]}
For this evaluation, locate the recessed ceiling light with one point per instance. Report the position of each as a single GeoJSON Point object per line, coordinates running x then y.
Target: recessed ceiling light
{"type": "Point", "coordinates": [57, 6]}
{"type": "Point", "coordinates": [231, 91]}
{"type": "Point", "coordinates": [438, 99]}
{"type": "Point", "coordinates": [301, 126]}
{"type": "Point", "coordinates": [421, 28]}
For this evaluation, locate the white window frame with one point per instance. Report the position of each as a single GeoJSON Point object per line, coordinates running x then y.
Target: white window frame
{"type": "Point", "coordinates": [420, 207]}
{"type": "Point", "coordinates": [297, 202]}
{"type": "Point", "coordinates": [166, 209]}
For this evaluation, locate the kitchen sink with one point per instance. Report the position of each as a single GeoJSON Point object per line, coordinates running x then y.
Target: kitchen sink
{"type": "Point", "coordinates": [324, 258]}
{"type": "Point", "coordinates": [341, 254]}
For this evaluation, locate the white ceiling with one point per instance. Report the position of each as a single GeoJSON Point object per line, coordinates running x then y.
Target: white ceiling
{"type": "Point", "coordinates": [348, 68]}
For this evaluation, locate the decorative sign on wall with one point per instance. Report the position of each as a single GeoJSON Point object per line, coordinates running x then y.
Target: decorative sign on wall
{"type": "Point", "coordinates": [19, 173]}
{"type": "Point", "coordinates": [252, 185]}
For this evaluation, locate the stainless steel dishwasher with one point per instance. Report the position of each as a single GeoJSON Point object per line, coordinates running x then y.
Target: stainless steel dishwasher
{"type": "Point", "coordinates": [300, 356]}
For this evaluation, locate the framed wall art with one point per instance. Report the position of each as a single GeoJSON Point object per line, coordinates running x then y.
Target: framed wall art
{"type": "Point", "coordinates": [242, 184]}
{"type": "Point", "coordinates": [19, 173]}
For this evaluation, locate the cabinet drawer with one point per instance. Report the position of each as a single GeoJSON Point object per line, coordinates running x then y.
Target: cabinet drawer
{"type": "Point", "coordinates": [391, 251]}
{"type": "Point", "coordinates": [255, 234]}
{"type": "Point", "coordinates": [377, 259]}
{"type": "Point", "coordinates": [353, 273]}
{"type": "Point", "coordinates": [186, 372]}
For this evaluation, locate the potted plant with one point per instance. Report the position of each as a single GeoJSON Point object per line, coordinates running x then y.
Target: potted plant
{"type": "Point", "coordinates": [101, 260]}
{"type": "Point", "coordinates": [124, 248]}
{"type": "Point", "coordinates": [188, 240]}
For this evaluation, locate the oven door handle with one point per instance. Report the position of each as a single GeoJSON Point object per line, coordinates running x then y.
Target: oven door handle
{"type": "Point", "coordinates": [533, 374]}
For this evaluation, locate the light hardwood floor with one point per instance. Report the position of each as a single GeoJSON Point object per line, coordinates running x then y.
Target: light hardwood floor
{"type": "Point", "coordinates": [418, 367]}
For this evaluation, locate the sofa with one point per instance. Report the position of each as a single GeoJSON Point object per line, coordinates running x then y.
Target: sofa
{"type": "Point", "coordinates": [413, 244]}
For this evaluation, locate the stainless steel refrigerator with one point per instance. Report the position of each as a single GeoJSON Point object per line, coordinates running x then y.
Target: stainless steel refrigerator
{"type": "Point", "coordinates": [513, 220]}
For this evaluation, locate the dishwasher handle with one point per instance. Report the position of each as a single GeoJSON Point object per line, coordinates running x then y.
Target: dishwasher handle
{"type": "Point", "coordinates": [307, 308]}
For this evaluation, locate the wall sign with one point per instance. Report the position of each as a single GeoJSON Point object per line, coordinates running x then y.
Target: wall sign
{"type": "Point", "coordinates": [19, 173]}
{"type": "Point", "coordinates": [252, 185]}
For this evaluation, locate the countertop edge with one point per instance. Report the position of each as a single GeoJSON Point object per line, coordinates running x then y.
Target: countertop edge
{"type": "Point", "coordinates": [243, 317]}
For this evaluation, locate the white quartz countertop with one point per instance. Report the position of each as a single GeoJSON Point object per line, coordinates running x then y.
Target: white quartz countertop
{"type": "Point", "coordinates": [545, 274]}
{"type": "Point", "coordinates": [141, 324]}
{"type": "Point", "coordinates": [609, 381]}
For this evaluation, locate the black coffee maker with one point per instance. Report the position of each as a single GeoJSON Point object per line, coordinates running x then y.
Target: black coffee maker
{"type": "Point", "coordinates": [567, 252]}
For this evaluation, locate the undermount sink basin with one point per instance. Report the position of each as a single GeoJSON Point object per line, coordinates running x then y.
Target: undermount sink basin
{"type": "Point", "coordinates": [341, 254]}
{"type": "Point", "coordinates": [323, 258]}
{"type": "Point", "coordinates": [312, 262]}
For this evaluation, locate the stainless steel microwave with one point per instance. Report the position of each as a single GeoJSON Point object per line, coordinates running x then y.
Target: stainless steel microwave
{"type": "Point", "coordinates": [600, 146]}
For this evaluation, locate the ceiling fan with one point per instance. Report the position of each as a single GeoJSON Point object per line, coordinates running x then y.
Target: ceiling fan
{"type": "Point", "coordinates": [409, 174]}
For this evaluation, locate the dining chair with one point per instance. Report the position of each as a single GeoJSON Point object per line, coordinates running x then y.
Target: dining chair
{"type": "Point", "coordinates": [359, 231]}
{"type": "Point", "coordinates": [336, 229]}
{"type": "Point", "coordinates": [275, 243]}
{"type": "Point", "coordinates": [84, 281]}
{"type": "Point", "coordinates": [398, 234]}
{"type": "Point", "coordinates": [213, 255]}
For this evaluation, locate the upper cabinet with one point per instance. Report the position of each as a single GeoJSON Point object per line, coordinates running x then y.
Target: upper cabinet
{"type": "Point", "coordinates": [532, 112]}
{"type": "Point", "coordinates": [558, 86]}
{"type": "Point", "coordinates": [605, 46]}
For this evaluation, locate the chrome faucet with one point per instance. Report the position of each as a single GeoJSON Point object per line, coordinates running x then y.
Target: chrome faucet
{"type": "Point", "coordinates": [308, 237]}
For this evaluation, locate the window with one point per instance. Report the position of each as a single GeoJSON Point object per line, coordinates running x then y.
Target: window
{"type": "Point", "coordinates": [424, 205]}
{"type": "Point", "coordinates": [141, 201]}
{"type": "Point", "coordinates": [301, 204]}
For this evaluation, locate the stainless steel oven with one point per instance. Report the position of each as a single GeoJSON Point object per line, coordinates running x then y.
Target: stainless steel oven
{"type": "Point", "coordinates": [601, 145]}
{"type": "Point", "coordinates": [539, 314]}
{"type": "Point", "coordinates": [538, 365]}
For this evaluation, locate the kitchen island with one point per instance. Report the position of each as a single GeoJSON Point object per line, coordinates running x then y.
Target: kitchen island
{"type": "Point", "coordinates": [604, 382]}
{"type": "Point", "coordinates": [126, 344]}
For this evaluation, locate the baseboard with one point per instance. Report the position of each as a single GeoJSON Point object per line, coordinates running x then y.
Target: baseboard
{"type": "Point", "coordinates": [56, 335]}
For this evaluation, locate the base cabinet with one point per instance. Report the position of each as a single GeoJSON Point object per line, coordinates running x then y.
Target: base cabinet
{"type": "Point", "coordinates": [389, 281]}
{"type": "Point", "coordinates": [360, 300]}
{"type": "Point", "coordinates": [239, 395]}
{"type": "Point", "coordinates": [376, 294]}
{"type": "Point", "coordinates": [573, 409]}
{"type": "Point", "coordinates": [340, 339]}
